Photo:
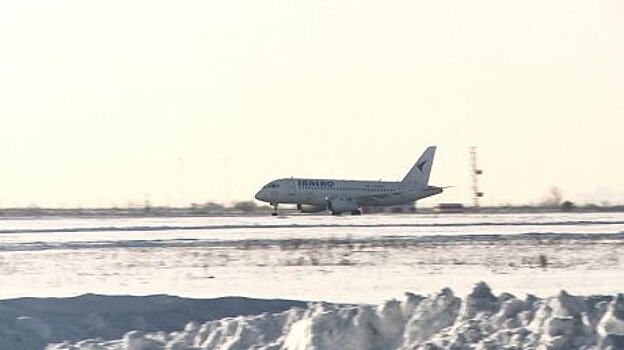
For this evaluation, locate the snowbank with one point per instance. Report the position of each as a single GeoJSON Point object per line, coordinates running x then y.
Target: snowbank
{"type": "Point", "coordinates": [441, 321]}
{"type": "Point", "coordinates": [32, 323]}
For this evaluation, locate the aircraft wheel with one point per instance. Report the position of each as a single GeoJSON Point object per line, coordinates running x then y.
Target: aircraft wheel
{"type": "Point", "coordinates": [356, 212]}
{"type": "Point", "coordinates": [274, 205]}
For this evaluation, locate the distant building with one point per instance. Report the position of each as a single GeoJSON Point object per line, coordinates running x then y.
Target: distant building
{"type": "Point", "coordinates": [449, 208]}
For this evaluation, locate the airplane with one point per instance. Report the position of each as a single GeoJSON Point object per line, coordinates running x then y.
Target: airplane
{"type": "Point", "coordinates": [349, 196]}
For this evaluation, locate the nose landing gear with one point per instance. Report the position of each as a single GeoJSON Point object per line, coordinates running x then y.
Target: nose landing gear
{"type": "Point", "coordinates": [274, 205]}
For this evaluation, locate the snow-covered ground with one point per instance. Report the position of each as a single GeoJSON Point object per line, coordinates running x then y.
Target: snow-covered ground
{"type": "Point", "coordinates": [441, 321]}
{"type": "Point", "coordinates": [352, 260]}
{"type": "Point", "coordinates": [32, 323]}
{"type": "Point", "coordinates": [337, 259]}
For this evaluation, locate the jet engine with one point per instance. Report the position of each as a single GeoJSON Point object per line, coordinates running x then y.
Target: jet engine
{"type": "Point", "coordinates": [341, 205]}
{"type": "Point", "coordinates": [308, 208]}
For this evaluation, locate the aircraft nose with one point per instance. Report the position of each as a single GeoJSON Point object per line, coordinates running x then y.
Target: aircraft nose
{"type": "Point", "coordinates": [260, 195]}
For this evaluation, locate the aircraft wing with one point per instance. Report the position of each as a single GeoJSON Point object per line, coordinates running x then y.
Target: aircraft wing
{"type": "Point", "coordinates": [384, 198]}
{"type": "Point", "coordinates": [377, 198]}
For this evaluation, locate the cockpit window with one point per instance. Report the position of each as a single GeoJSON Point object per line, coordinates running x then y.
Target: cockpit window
{"type": "Point", "coordinates": [272, 185]}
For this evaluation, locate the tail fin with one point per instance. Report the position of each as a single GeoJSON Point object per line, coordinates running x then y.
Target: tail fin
{"type": "Point", "coordinates": [419, 174]}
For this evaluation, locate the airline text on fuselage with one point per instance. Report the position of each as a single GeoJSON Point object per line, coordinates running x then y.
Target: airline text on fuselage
{"type": "Point", "coordinates": [315, 183]}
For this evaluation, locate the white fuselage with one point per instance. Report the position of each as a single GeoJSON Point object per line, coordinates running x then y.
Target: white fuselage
{"type": "Point", "coordinates": [339, 196]}
{"type": "Point", "coordinates": [317, 192]}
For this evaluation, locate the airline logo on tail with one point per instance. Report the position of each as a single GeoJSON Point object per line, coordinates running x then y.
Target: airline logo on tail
{"type": "Point", "coordinates": [419, 174]}
{"type": "Point", "coordinates": [422, 165]}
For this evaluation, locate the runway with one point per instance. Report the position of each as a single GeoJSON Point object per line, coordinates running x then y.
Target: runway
{"type": "Point", "coordinates": [342, 259]}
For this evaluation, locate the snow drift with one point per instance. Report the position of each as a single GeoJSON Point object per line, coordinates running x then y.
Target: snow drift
{"type": "Point", "coordinates": [32, 323]}
{"type": "Point", "coordinates": [441, 321]}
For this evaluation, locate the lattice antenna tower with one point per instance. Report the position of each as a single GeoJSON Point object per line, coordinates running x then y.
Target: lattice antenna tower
{"type": "Point", "coordinates": [475, 172]}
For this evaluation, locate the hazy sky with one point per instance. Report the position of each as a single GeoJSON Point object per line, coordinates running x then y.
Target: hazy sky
{"type": "Point", "coordinates": [111, 102]}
